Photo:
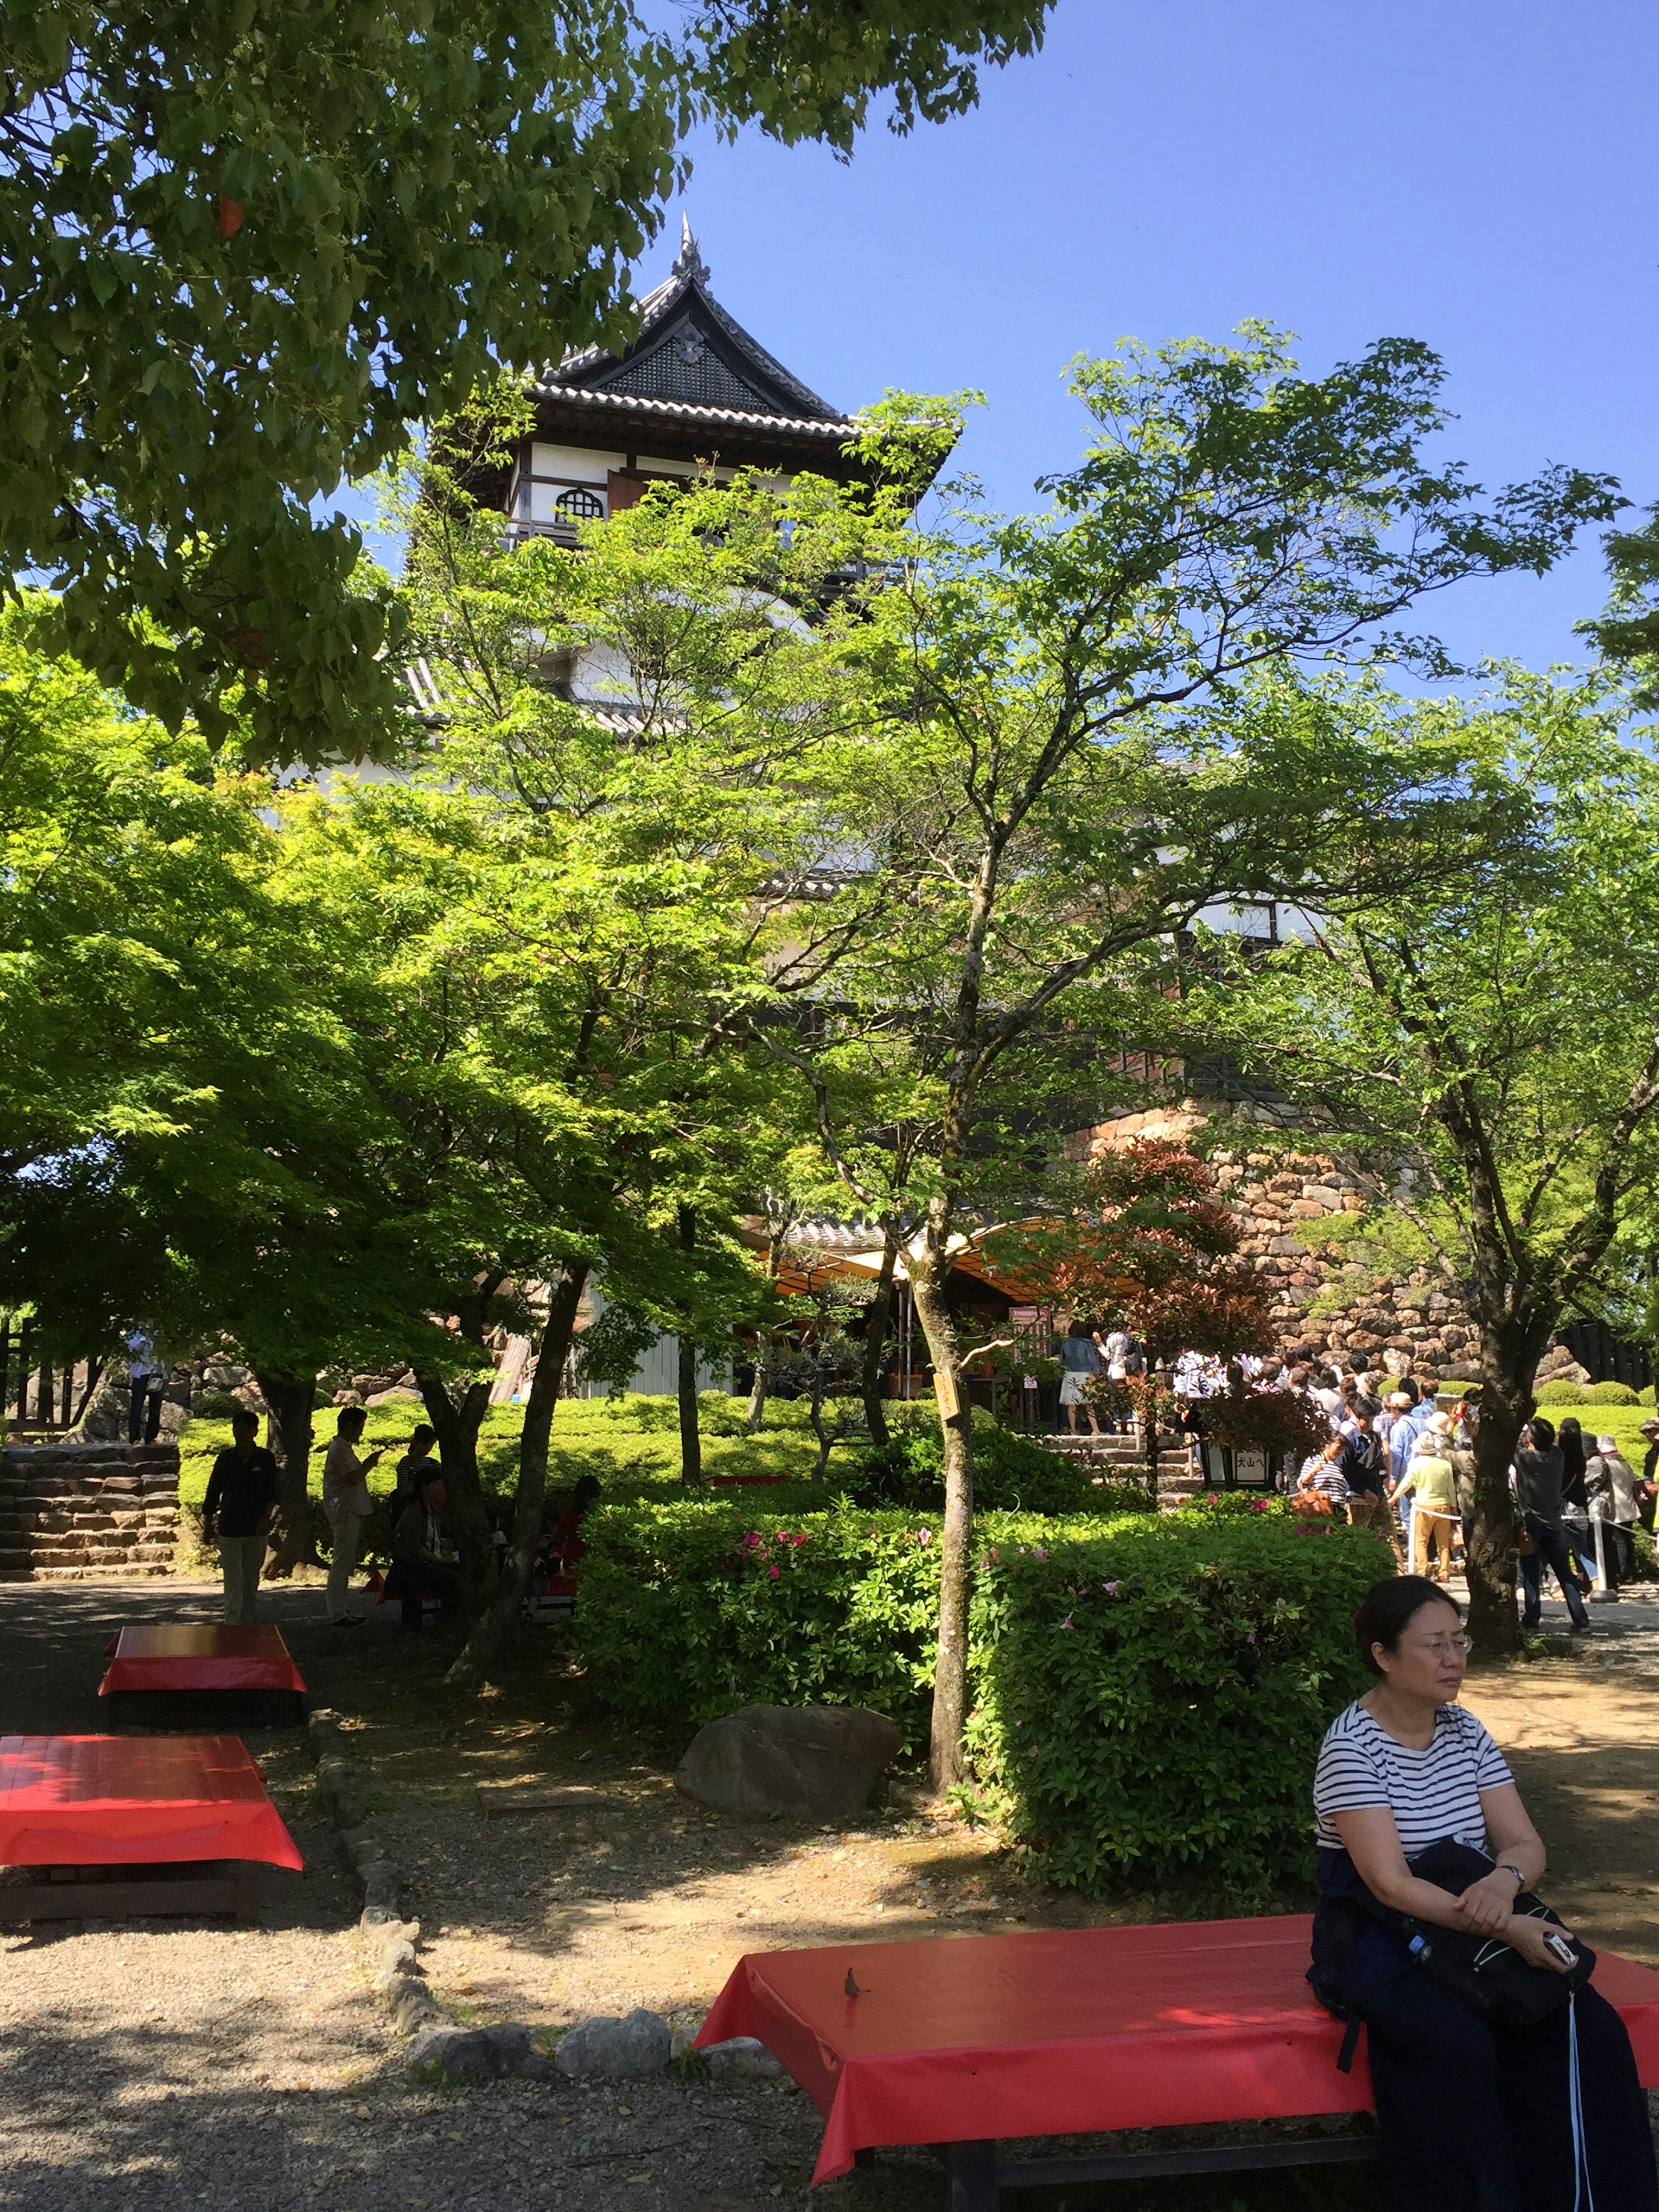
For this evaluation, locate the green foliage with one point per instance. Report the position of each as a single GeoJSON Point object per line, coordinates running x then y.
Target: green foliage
{"type": "Point", "coordinates": [692, 1609]}
{"type": "Point", "coordinates": [1645, 1397]}
{"type": "Point", "coordinates": [1011, 1475]}
{"type": "Point", "coordinates": [243, 248]}
{"type": "Point", "coordinates": [1151, 1697]}
{"type": "Point", "coordinates": [1561, 1394]}
{"type": "Point", "coordinates": [215, 1406]}
{"type": "Point", "coordinates": [1612, 1393]}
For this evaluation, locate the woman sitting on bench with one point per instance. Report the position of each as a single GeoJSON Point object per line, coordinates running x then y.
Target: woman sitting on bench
{"type": "Point", "coordinates": [1496, 2119]}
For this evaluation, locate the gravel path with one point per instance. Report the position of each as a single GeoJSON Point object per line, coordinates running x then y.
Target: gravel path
{"type": "Point", "coordinates": [162, 2064]}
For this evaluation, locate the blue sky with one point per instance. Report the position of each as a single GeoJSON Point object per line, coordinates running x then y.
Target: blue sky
{"type": "Point", "coordinates": [1484, 178]}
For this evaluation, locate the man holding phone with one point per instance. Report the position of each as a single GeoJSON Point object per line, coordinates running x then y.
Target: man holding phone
{"type": "Point", "coordinates": [348, 1504]}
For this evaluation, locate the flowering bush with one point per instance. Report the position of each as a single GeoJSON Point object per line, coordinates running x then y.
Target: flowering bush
{"type": "Point", "coordinates": [1011, 1475]}
{"type": "Point", "coordinates": [1277, 1422]}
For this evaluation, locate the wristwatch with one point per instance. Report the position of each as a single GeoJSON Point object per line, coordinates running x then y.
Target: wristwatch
{"type": "Point", "coordinates": [1508, 1865]}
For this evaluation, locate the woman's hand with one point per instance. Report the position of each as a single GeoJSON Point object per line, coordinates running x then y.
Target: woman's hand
{"type": "Point", "coordinates": [1529, 1937]}
{"type": "Point", "coordinates": [1489, 1903]}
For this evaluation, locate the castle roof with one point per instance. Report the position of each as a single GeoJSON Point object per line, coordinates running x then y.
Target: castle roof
{"type": "Point", "coordinates": [693, 385]}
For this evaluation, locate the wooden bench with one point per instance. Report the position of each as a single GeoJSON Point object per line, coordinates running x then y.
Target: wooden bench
{"type": "Point", "coordinates": [203, 1672]}
{"type": "Point", "coordinates": [968, 2042]}
{"type": "Point", "coordinates": [106, 1826]}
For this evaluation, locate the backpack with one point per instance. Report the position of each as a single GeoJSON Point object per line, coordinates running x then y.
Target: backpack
{"type": "Point", "coordinates": [1492, 1980]}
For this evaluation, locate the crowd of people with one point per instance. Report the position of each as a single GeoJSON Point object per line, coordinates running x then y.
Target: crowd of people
{"type": "Point", "coordinates": [1396, 1460]}
{"type": "Point", "coordinates": [240, 1510]}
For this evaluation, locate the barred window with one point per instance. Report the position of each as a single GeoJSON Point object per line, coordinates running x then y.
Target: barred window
{"type": "Point", "coordinates": [580, 506]}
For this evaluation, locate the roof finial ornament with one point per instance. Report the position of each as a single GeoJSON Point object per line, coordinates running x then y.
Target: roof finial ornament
{"type": "Point", "coordinates": [689, 263]}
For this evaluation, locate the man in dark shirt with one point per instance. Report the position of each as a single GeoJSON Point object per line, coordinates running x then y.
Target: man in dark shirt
{"type": "Point", "coordinates": [1540, 1472]}
{"type": "Point", "coordinates": [420, 1565]}
{"type": "Point", "coordinates": [241, 1497]}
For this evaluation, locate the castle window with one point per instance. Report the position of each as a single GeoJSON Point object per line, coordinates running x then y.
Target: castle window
{"type": "Point", "coordinates": [580, 506]}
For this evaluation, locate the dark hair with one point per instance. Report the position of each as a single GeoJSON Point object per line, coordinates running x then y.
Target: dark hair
{"type": "Point", "coordinates": [421, 1434]}
{"type": "Point", "coordinates": [587, 1490]}
{"type": "Point", "coordinates": [246, 1419]}
{"type": "Point", "coordinates": [427, 1480]}
{"type": "Point", "coordinates": [1368, 1406]}
{"type": "Point", "coordinates": [350, 1416]}
{"type": "Point", "coordinates": [1389, 1606]}
{"type": "Point", "coordinates": [1404, 1384]}
{"type": "Point", "coordinates": [1080, 1329]}
{"type": "Point", "coordinates": [1543, 1432]}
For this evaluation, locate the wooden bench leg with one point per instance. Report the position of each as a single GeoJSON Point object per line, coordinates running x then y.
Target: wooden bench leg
{"type": "Point", "coordinates": [865, 2160]}
{"type": "Point", "coordinates": [973, 2172]}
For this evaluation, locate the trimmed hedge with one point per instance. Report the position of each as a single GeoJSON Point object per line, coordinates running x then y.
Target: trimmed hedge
{"type": "Point", "coordinates": [1149, 1692]}
{"type": "Point", "coordinates": [1151, 1699]}
{"type": "Point", "coordinates": [1590, 1393]}
{"type": "Point", "coordinates": [1011, 1475]}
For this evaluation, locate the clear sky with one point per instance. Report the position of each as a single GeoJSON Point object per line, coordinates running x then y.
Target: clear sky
{"type": "Point", "coordinates": [1483, 177]}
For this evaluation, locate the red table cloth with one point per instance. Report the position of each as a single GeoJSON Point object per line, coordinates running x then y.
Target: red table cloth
{"type": "Point", "coordinates": [127, 1801]}
{"type": "Point", "coordinates": [1069, 2033]}
{"type": "Point", "coordinates": [199, 1655]}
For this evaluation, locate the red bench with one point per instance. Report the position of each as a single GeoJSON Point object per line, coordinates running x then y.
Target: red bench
{"type": "Point", "coordinates": [206, 1661]}
{"type": "Point", "coordinates": [962, 2041]}
{"type": "Point", "coordinates": [113, 1825]}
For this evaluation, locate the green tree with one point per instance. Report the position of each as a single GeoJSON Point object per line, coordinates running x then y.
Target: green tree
{"type": "Point", "coordinates": [242, 248]}
{"type": "Point", "coordinates": [1482, 1050]}
{"type": "Point", "coordinates": [1052, 778]}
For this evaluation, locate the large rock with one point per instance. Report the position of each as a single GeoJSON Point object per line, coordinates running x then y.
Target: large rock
{"type": "Point", "coordinates": [805, 1763]}
{"type": "Point", "coordinates": [607, 2050]}
{"type": "Point", "coordinates": [485, 2053]}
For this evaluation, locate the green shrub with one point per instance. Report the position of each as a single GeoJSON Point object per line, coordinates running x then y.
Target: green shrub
{"type": "Point", "coordinates": [1012, 1473]}
{"type": "Point", "coordinates": [691, 1608]}
{"type": "Point", "coordinates": [215, 1406]}
{"type": "Point", "coordinates": [1150, 1691]}
{"type": "Point", "coordinates": [1644, 1395]}
{"type": "Point", "coordinates": [1610, 1394]}
{"type": "Point", "coordinates": [1560, 1394]}
{"type": "Point", "coordinates": [1151, 1697]}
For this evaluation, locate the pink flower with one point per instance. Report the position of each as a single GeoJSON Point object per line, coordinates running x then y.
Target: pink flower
{"type": "Point", "coordinates": [773, 1572]}
{"type": "Point", "coordinates": [1111, 1589]}
{"type": "Point", "coordinates": [1066, 1622]}
{"type": "Point", "coordinates": [924, 1535]}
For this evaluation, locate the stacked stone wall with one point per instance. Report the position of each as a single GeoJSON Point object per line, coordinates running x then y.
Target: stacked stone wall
{"type": "Point", "coordinates": [1406, 1324]}
{"type": "Point", "coordinates": [69, 1512]}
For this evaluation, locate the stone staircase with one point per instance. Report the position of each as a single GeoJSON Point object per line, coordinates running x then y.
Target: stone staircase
{"type": "Point", "coordinates": [1123, 1459]}
{"type": "Point", "coordinates": [71, 1512]}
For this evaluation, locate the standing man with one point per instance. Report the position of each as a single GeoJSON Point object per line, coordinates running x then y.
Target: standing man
{"type": "Point", "coordinates": [147, 1375]}
{"type": "Point", "coordinates": [1538, 1478]}
{"type": "Point", "coordinates": [348, 1504]}
{"type": "Point", "coordinates": [241, 1497]}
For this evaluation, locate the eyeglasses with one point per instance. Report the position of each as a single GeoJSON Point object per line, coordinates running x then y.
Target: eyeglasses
{"type": "Point", "coordinates": [1440, 1646]}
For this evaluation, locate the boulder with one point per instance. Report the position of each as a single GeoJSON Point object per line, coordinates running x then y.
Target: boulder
{"type": "Point", "coordinates": [609, 2050]}
{"type": "Point", "coordinates": [485, 2053]}
{"type": "Point", "coordinates": [742, 2058]}
{"type": "Point", "coordinates": [810, 1763]}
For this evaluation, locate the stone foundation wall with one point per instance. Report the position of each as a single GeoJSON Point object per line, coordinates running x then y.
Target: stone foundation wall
{"type": "Point", "coordinates": [1406, 1324]}
{"type": "Point", "coordinates": [72, 1511]}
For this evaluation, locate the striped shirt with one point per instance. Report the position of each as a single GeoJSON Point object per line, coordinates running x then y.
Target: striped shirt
{"type": "Point", "coordinates": [1432, 1794]}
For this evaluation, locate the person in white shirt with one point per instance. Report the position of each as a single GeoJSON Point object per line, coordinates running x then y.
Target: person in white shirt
{"type": "Point", "coordinates": [348, 1504]}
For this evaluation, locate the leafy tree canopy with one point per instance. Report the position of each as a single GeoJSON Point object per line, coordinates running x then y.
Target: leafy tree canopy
{"type": "Point", "coordinates": [243, 248]}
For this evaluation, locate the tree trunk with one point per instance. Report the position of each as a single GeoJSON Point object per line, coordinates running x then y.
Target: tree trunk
{"type": "Point", "coordinates": [757, 1388]}
{"type": "Point", "coordinates": [877, 1314]}
{"type": "Point", "coordinates": [289, 1400]}
{"type": "Point", "coordinates": [690, 1435]}
{"type": "Point", "coordinates": [494, 1624]}
{"type": "Point", "coordinates": [457, 1423]}
{"type": "Point", "coordinates": [955, 1427]}
{"type": "Point", "coordinates": [1509, 1353]}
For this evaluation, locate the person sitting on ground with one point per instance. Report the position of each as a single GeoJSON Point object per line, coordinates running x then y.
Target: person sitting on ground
{"type": "Point", "coordinates": [1080, 1361]}
{"type": "Point", "coordinates": [1432, 1482]}
{"type": "Point", "coordinates": [1610, 1484]}
{"type": "Point", "coordinates": [1538, 1477]}
{"type": "Point", "coordinates": [413, 1468]}
{"type": "Point", "coordinates": [237, 1513]}
{"type": "Point", "coordinates": [421, 1567]}
{"type": "Point", "coordinates": [1464, 2107]}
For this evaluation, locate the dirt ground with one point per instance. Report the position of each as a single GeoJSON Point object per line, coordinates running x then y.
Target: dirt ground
{"type": "Point", "coordinates": [156, 2063]}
